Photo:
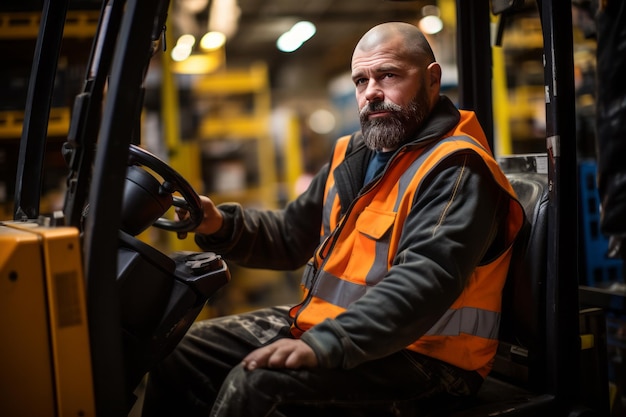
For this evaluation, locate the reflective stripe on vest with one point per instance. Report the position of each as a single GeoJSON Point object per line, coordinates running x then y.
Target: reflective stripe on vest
{"type": "Point", "coordinates": [327, 211]}
{"type": "Point", "coordinates": [467, 320]}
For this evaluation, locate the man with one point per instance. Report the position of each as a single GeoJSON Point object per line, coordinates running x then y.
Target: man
{"type": "Point", "coordinates": [408, 233]}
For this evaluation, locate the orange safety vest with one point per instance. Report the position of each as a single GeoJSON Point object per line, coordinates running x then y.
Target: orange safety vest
{"type": "Point", "coordinates": [364, 243]}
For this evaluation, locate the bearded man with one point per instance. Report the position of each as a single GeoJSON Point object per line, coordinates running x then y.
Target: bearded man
{"type": "Point", "coordinates": [406, 235]}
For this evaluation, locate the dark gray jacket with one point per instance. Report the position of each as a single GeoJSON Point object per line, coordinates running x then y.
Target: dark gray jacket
{"type": "Point", "coordinates": [422, 284]}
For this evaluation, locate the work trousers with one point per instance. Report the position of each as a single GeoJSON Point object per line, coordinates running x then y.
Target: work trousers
{"type": "Point", "coordinates": [204, 376]}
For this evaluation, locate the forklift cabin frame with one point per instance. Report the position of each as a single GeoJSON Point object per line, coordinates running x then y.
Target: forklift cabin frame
{"type": "Point", "coordinates": [127, 33]}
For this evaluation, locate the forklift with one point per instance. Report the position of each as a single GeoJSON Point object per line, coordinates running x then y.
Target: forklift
{"type": "Point", "coordinates": [89, 309]}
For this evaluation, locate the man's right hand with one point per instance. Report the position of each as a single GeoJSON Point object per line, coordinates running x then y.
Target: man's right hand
{"type": "Point", "coordinates": [211, 220]}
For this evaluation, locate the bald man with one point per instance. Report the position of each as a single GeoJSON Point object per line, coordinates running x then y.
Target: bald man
{"type": "Point", "coordinates": [406, 236]}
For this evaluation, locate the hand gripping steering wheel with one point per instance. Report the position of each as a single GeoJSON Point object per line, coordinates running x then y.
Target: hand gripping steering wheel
{"type": "Point", "coordinates": [153, 193]}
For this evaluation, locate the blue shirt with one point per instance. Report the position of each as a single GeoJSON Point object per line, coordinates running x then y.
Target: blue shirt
{"type": "Point", "coordinates": [376, 165]}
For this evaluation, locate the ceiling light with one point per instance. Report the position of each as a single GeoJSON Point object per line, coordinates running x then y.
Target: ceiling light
{"type": "Point", "coordinates": [212, 41]}
{"type": "Point", "coordinates": [180, 52]}
{"type": "Point", "coordinates": [296, 36]}
{"type": "Point", "coordinates": [187, 39]}
{"type": "Point", "coordinates": [288, 43]}
{"type": "Point", "coordinates": [224, 17]}
{"type": "Point", "coordinates": [303, 30]}
{"type": "Point", "coordinates": [431, 22]}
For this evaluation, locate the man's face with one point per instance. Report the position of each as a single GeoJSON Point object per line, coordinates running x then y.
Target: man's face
{"type": "Point", "coordinates": [400, 123]}
{"type": "Point", "coordinates": [392, 93]}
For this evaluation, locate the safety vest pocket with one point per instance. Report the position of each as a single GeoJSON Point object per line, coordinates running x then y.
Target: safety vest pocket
{"type": "Point", "coordinates": [374, 223]}
{"type": "Point", "coordinates": [370, 243]}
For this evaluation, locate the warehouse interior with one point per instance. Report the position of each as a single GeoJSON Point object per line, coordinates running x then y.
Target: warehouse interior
{"type": "Point", "coordinates": [307, 89]}
{"type": "Point", "coordinates": [245, 121]}
{"type": "Point", "coordinates": [292, 105]}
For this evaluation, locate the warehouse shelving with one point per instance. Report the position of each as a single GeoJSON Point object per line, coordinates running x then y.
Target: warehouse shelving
{"type": "Point", "coordinates": [235, 112]}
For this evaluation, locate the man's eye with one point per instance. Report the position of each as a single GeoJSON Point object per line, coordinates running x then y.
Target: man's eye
{"type": "Point", "coordinates": [389, 75]}
{"type": "Point", "coordinates": [360, 81]}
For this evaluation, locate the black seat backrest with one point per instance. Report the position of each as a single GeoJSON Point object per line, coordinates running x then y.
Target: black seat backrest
{"type": "Point", "coordinates": [521, 354]}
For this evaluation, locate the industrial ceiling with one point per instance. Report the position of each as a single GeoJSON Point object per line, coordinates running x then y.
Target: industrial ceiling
{"type": "Point", "coordinates": [260, 23]}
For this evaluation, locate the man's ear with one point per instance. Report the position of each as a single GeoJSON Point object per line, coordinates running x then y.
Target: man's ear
{"type": "Point", "coordinates": [434, 82]}
{"type": "Point", "coordinates": [434, 74]}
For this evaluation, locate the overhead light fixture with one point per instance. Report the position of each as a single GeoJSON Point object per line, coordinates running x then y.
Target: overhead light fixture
{"type": "Point", "coordinates": [212, 41]}
{"type": "Point", "coordinates": [205, 62]}
{"type": "Point", "coordinates": [183, 48]}
{"type": "Point", "coordinates": [224, 17]}
{"type": "Point", "coordinates": [296, 36]}
{"type": "Point", "coordinates": [186, 39]}
{"type": "Point", "coordinates": [430, 23]}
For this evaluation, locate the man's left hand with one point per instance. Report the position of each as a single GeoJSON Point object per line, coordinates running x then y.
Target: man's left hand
{"type": "Point", "coordinates": [284, 353]}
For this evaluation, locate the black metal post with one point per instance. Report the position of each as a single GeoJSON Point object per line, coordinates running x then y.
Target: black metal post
{"type": "Point", "coordinates": [28, 183]}
{"type": "Point", "coordinates": [562, 327]}
{"type": "Point", "coordinates": [87, 112]}
{"type": "Point", "coordinates": [474, 61]}
{"type": "Point", "coordinates": [132, 54]}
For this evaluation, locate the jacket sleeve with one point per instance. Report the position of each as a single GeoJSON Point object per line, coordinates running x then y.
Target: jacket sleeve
{"type": "Point", "coordinates": [271, 239]}
{"type": "Point", "coordinates": [435, 259]}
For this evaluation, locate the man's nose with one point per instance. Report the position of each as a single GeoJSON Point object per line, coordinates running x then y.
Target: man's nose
{"type": "Point", "coordinates": [374, 92]}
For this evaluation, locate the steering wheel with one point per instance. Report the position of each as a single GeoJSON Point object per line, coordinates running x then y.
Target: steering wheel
{"type": "Point", "coordinates": [172, 182]}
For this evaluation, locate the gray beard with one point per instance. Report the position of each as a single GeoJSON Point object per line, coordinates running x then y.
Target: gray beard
{"type": "Point", "coordinates": [390, 132]}
{"type": "Point", "coordinates": [387, 133]}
